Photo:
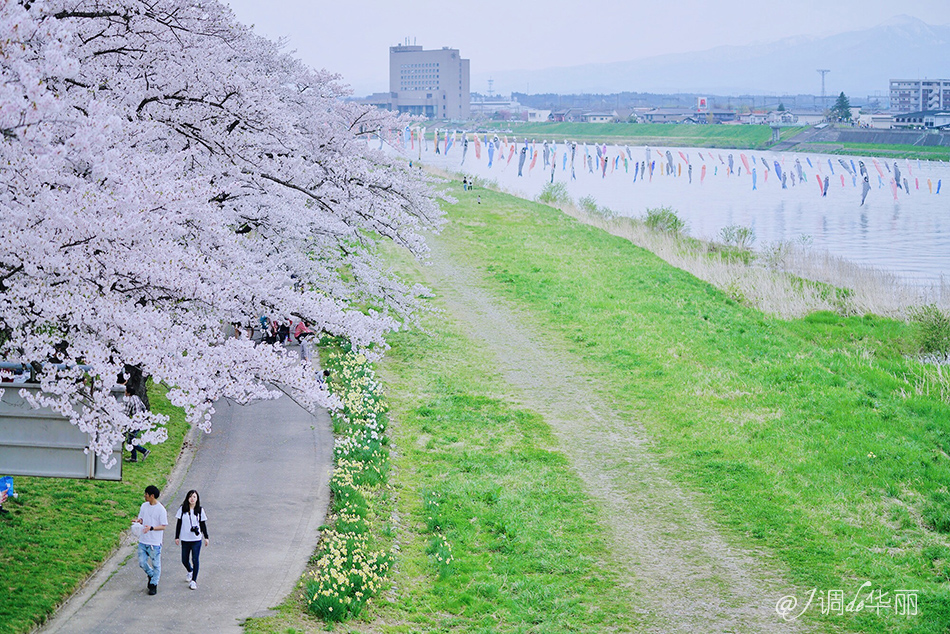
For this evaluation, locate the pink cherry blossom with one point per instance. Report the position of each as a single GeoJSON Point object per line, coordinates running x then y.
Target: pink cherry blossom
{"type": "Point", "coordinates": [165, 172]}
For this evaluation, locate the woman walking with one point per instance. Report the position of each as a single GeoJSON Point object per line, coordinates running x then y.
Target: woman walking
{"type": "Point", "coordinates": [191, 518]}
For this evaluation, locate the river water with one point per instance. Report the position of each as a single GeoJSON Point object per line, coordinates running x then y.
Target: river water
{"type": "Point", "coordinates": [903, 232]}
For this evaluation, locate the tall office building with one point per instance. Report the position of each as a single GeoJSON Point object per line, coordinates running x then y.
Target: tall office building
{"type": "Point", "coordinates": [914, 95]}
{"type": "Point", "coordinates": [433, 83]}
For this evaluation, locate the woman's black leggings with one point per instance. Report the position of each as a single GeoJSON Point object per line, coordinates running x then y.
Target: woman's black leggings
{"type": "Point", "coordinates": [191, 550]}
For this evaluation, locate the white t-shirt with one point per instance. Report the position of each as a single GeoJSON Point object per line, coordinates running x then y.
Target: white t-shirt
{"type": "Point", "coordinates": [153, 515]}
{"type": "Point", "coordinates": [189, 519]}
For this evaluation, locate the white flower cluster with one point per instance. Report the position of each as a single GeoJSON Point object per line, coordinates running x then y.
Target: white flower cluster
{"type": "Point", "coordinates": [349, 573]}
{"type": "Point", "coordinates": [166, 173]}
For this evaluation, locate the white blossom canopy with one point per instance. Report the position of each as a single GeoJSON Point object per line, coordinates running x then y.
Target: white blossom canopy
{"type": "Point", "coordinates": [165, 172]}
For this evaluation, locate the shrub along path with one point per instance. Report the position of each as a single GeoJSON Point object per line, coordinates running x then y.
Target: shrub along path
{"type": "Point", "coordinates": [262, 475]}
{"type": "Point", "coordinates": [685, 572]}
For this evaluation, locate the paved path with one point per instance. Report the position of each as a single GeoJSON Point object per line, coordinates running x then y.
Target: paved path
{"type": "Point", "coordinates": [262, 474]}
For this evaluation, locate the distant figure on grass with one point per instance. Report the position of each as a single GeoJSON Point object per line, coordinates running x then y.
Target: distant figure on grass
{"type": "Point", "coordinates": [302, 331]}
{"type": "Point", "coordinates": [153, 518]}
{"type": "Point", "coordinates": [303, 334]}
{"type": "Point", "coordinates": [6, 492]}
{"type": "Point", "coordinates": [192, 518]}
{"type": "Point", "coordinates": [283, 331]}
{"type": "Point", "coordinates": [134, 405]}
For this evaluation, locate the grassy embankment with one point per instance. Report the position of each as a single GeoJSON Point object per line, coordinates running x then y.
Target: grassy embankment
{"type": "Point", "coordinates": [810, 437]}
{"type": "Point", "coordinates": [719, 136]}
{"type": "Point", "coordinates": [785, 279]}
{"type": "Point", "coordinates": [482, 514]}
{"type": "Point", "coordinates": [815, 439]}
{"type": "Point", "coordinates": [756, 137]}
{"type": "Point", "coordinates": [59, 531]}
{"type": "Point", "coordinates": [922, 152]}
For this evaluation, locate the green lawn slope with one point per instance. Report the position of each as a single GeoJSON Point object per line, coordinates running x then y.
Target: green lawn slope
{"type": "Point", "coordinates": [814, 439]}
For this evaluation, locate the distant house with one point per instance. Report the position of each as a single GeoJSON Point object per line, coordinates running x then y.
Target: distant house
{"type": "Point", "coordinates": [681, 115]}
{"type": "Point", "coordinates": [929, 119]}
{"type": "Point", "coordinates": [667, 115]}
{"type": "Point", "coordinates": [754, 118]}
{"type": "Point", "coordinates": [568, 114]}
{"type": "Point", "coordinates": [787, 117]}
{"type": "Point", "coordinates": [626, 114]}
{"type": "Point", "coordinates": [538, 115]}
{"type": "Point", "coordinates": [808, 118]}
{"type": "Point", "coordinates": [600, 117]}
{"type": "Point", "coordinates": [487, 107]}
{"type": "Point", "coordinates": [878, 121]}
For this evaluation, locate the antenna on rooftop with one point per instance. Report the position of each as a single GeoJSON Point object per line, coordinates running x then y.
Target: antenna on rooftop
{"type": "Point", "coordinates": [823, 71]}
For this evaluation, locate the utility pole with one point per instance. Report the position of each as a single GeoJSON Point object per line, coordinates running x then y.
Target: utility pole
{"type": "Point", "coordinates": [824, 103]}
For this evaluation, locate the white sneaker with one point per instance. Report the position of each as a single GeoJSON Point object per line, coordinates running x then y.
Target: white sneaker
{"type": "Point", "coordinates": [193, 585]}
{"type": "Point", "coordinates": [188, 579]}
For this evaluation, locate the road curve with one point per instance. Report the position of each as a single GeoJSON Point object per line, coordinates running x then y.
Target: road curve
{"type": "Point", "coordinates": [263, 476]}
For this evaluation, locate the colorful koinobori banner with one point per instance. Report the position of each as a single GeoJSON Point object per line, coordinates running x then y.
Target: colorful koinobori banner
{"type": "Point", "coordinates": [749, 167]}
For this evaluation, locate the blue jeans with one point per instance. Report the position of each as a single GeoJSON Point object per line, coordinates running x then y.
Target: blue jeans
{"type": "Point", "coordinates": [191, 550]}
{"type": "Point", "coordinates": [153, 553]}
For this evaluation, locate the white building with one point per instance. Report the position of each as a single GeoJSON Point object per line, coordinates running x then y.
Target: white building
{"type": "Point", "coordinates": [915, 95]}
{"type": "Point", "coordinates": [600, 117]}
{"type": "Point", "coordinates": [929, 119]}
{"type": "Point", "coordinates": [878, 121]}
{"type": "Point", "coordinates": [538, 115]}
{"type": "Point", "coordinates": [432, 83]}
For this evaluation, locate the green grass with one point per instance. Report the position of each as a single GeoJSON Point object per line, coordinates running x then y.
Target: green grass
{"type": "Point", "coordinates": [928, 153]}
{"type": "Point", "coordinates": [524, 540]}
{"type": "Point", "coordinates": [720, 136]}
{"type": "Point", "coordinates": [493, 532]}
{"type": "Point", "coordinates": [59, 531]}
{"type": "Point", "coordinates": [806, 436]}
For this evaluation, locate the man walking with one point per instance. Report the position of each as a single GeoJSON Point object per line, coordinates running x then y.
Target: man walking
{"type": "Point", "coordinates": [134, 405]}
{"type": "Point", "coordinates": [154, 519]}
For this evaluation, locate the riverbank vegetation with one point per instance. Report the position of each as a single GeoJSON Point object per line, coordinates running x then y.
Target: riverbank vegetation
{"type": "Point", "coordinates": [485, 522]}
{"type": "Point", "coordinates": [786, 279]}
{"type": "Point", "coordinates": [752, 137]}
{"type": "Point", "coordinates": [922, 152]}
{"type": "Point", "coordinates": [718, 136]}
{"type": "Point", "coordinates": [819, 438]}
{"type": "Point", "coordinates": [349, 571]}
{"type": "Point", "coordinates": [59, 531]}
{"type": "Point", "coordinates": [819, 441]}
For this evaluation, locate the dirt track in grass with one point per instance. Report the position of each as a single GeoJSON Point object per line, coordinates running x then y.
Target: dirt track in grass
{"type": "Point", "coordinates": [682, 572]}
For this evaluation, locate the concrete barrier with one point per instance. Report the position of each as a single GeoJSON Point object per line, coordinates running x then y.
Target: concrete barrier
{"type": "Point", "coordinates": [42, 442]}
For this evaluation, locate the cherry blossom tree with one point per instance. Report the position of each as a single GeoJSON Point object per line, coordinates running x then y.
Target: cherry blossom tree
{"type": "Point", "coordinates": [165, 172]}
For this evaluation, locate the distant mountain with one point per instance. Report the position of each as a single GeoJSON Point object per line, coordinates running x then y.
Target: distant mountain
{"type": "Point", "coordinates": [861, 63]}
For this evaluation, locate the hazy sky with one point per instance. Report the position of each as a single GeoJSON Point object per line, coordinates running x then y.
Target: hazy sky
{"type": "Point", "coordinates": [353, 38]}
